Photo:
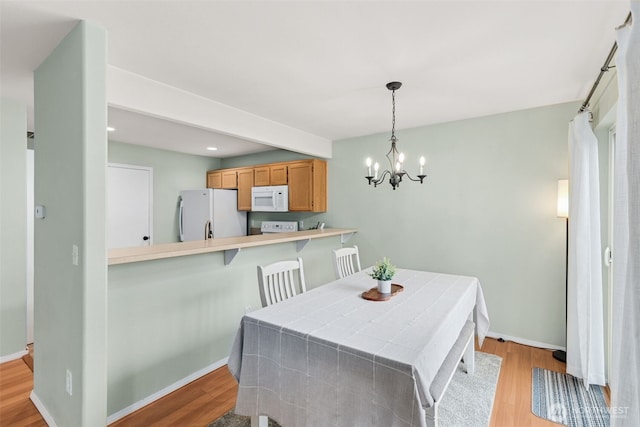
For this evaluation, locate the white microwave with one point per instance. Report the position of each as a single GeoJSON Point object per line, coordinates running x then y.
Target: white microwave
{"type": "Point", "coordinates": [270, 199]}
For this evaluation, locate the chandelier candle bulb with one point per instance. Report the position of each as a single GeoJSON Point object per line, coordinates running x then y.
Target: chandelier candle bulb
{"type": "Point", "coordinates": [369, 166]}
{"type": "Point", "coordinates": [422, 165]}
{"type": "Point", "coordinates": [375, 169]}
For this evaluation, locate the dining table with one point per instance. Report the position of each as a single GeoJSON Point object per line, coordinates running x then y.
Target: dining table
{"type": "Point", "coordinates": [329, 357]}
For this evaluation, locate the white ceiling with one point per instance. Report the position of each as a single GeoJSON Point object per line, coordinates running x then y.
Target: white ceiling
{"type": "Point", "coordinates": [321, 66]}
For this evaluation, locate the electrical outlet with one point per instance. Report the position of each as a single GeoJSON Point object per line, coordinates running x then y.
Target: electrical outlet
{"type": "Point", "coordinates": [69, 383]}
{"type": "Point", "coordinates": [40, 211]}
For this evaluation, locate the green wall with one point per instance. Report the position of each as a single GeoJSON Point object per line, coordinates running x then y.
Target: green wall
{"type": "Point", "coordinates": [171, 318]}
{"type": "Point", "coordinates": [70, 181]}
{"type": "Point", "coordinates": [273, 156]}
{"type": "Point", "coordinates": [13, 227]}
{"type": "Point", "coordinates": [487, 209]}
{"type": "Point", "coordinates": [172, 172]}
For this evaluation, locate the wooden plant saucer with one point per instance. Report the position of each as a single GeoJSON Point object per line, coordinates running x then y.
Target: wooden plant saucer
{"type": "Point", "coordinates": [373, 294]}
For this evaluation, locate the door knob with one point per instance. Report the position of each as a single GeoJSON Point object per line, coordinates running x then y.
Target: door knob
{"type": "Point", "coordinates": [145, 237]}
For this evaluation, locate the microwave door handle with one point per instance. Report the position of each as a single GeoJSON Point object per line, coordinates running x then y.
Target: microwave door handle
{"type": "Point", "coordinates": [273, 199]}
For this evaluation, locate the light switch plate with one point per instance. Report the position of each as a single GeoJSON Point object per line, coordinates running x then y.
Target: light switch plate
{"type": "Point", "coordinates": [74, 254]}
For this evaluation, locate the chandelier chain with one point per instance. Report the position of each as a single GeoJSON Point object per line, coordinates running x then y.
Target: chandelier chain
{"type": "Point", "coordinates": [393, 114]}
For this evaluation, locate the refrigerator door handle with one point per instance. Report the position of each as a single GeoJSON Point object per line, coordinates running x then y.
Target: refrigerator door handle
{"type": "Point", "coordinates": [180, 220]}
{"type": "Point", "coordinates": [208, 231]}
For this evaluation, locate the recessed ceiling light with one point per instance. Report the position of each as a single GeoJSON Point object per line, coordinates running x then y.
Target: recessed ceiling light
{"type": "Point", "coordinates": [110, 129]}
{"type": "Point", "coordinates": [211, 148]}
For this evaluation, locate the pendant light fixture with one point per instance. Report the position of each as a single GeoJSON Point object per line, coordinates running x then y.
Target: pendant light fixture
{"type": "Point", "coordinates": [396, 158]}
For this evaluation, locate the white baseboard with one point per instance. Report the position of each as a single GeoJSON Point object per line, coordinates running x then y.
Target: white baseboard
{"type": "Point", "coordinates": [14, 356]}
{"type": "Point", "coordinates": [42, 409]}
{"type": "Point", "coordinates": [169, 389]}
{"type": "Point", "coordinates": [530, 343]}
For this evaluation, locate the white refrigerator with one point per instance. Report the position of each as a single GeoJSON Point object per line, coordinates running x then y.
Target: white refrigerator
{"type": "Point", "coordinates": [210, 213]}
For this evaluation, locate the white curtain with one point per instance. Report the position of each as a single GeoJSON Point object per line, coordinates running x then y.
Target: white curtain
{"type": "Point", "coordinates": [625, 375]}
{"type": "Point", "coordinates": [585, 336]}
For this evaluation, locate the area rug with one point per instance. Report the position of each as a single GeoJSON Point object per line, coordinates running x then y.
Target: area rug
{"type": "Point", "coordinates": [563, 399]}
{"type": "Point", "coordinates": [468, 401]}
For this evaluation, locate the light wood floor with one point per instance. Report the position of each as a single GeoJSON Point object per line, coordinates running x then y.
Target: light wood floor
{"type": "Point", "coordinates": [207, 398]}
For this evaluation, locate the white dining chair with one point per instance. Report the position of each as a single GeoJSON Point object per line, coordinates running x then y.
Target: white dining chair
{"type": "Point", "coordinates": [277, 281]}
{"type": "Point", "coordinates": [346, 261]}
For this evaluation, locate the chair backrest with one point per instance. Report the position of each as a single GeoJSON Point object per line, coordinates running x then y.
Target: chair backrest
{"type": "Point", "coordinates": [278, 281]}
{"type": "Point", "coordinates": [346, 261]}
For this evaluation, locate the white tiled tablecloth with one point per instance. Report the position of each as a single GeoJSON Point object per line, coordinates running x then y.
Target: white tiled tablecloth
{"type": "Point", "coordinates": [330, 358]}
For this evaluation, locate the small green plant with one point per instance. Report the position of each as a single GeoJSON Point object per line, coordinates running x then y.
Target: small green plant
{"type": "Point", "coordinates": [383, 270]}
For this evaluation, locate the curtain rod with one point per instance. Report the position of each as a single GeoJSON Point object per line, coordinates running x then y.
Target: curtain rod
{"type": "Point", "coordinates": [603, 69]}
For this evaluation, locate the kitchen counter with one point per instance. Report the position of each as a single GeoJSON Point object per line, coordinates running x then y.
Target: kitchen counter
{"type": "Point", "coordinates": [230, 245]}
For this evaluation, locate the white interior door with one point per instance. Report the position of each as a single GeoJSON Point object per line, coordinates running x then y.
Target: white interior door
{"type": "Point", "coordinates": [129, 206]}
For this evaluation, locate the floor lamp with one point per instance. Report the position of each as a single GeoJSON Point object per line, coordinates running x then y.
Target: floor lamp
{"type": "Point", "coordinates": [563, 212]}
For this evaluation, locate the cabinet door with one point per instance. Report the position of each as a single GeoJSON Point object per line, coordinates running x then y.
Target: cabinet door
{"type": "Point", "coordinates": [262, 176]}
{"type": "Point", "coordinates": [214, 179]}
{"type": "Point", "coordinates": [278, 174]}
{"type": "Point", "coordinates": [319, 185]}
{"type": "Point", "coordinates": [300, 186]}
{"type": "Point", "coordinates": [245, 182]}
{"type": "Point", "coordinates": [308, 186]}
{"type": "Point", "coordinates": [229, 179]}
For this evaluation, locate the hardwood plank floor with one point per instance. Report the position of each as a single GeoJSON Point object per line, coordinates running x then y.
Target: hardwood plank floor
{"type": "Point", "coordinates": [207, 398]}
{"type": "Point", "coordinates": [16, 383]}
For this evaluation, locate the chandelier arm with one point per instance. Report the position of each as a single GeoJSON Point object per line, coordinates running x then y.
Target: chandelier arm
{"type": "Point", "coordinates": [378, 181]}
{"type": "Point", "coordinates": [419, 178]}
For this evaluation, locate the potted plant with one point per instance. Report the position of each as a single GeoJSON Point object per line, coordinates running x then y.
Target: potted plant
{"type": "Point", "coordinates": [383, 272]}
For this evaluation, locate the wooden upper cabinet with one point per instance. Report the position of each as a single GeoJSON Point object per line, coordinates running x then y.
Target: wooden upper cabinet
{"type": "Point", "coordinates": [307, 180]}
{"type": "Point", "coordinates": [245, 182]}
{"type": "Point", "coordinates": [278, 174]}
{"type": "Point", "coordinates": [262, 176]}
{"type": "Point", "coordinates": [214, 179]}
{"type": "Point", "coordinates": [229, 179]}
{"type": "Point", "coordinates": [308, 185]}
{"type": "Point", "coordinates": [272, 174]}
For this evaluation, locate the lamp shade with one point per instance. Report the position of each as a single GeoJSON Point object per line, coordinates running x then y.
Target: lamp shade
{"type": "Point", "coordinates": [563, 198]}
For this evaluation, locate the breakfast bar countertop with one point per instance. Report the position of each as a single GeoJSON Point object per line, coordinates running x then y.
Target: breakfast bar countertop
{"type": "Point", "coordinates": [231, 245]}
